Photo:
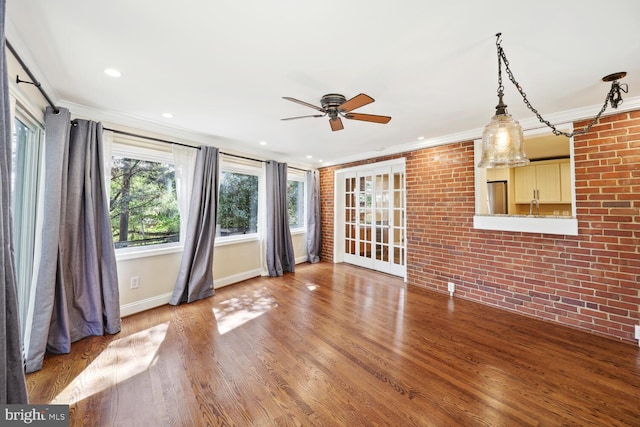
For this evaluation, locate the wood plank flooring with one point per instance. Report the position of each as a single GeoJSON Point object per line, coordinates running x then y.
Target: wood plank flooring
{"type": "Point", "coordinates": [337, 345]}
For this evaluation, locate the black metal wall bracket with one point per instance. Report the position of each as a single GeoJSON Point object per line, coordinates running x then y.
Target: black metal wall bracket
{"type": "Point", "coordinates": [18, 80]}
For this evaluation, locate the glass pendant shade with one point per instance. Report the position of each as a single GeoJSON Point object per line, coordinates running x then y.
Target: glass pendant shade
{"type": "Point", "coordinates": [502, 143]}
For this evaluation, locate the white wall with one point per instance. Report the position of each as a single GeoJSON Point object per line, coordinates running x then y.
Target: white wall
{"type": "Point", "coordinates": [233, 262]}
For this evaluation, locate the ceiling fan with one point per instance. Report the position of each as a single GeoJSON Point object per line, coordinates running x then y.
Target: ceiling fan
{"type": "Point", "coordinates": [335, 106]}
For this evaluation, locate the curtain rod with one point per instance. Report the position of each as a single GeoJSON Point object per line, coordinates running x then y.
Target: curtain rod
{"type": "Point", "coordinates": [164, 141]}
{"type": "Point", "coordinates": [33, 81]}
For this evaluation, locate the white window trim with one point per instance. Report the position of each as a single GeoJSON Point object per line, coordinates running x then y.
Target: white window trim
{"type": "Point", "coordinates": [247, 167]}
{"type": "Point", "coordinates": [31, 223]}
{"type": "Point", "coordinates": [132, 147]}
{"type": "Point", "coordinates": [299, 176]}
{"type": "Point", "coordinates": [140, 152]}
{"type": "Point", "coordinates": [123, 254]}
{"type": "Point", "coordinates": [524, 223]}
{"type": "Point", "coordinates": [235, 239]}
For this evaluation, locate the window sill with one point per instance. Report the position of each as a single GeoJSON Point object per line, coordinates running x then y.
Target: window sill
{"type": "Point", "coordinates": [567, 226]}
{"type": "Point", "coordinates": [232, 240]}
{"type": "Point", "coordinates": [134, 253]}
{"type": "Point", "coordinates": [144, 252]}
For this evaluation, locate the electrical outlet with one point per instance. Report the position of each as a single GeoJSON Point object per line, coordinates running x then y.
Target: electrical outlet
{"type": "Point", "coordinates": [135, 282]}
{"type": "Point", "coordinates": [451, 287]}
{"type": "Point", "coordinates": [638, 332]}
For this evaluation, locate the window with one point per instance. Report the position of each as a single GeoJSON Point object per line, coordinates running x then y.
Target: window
{"type": "Point", "coordinates": [538, 198]}
{"type": "Point", "coordinates": [295, 202]}
{"type": "Point", "coordinates": [237, 203]}
{"type": "Point", "coordinates": [26, 153]}
{"type": "Point", "coordinates": [143, 200]}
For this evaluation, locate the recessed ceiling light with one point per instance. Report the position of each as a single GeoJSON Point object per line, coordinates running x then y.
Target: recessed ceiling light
{"type": "Point", "coordinates": [309, 156]}
{"type": "Point", "coordinates": [167, 115]}
{"type": "Point", "coordinates": [112, 72]}
{"type": "Point", "coordinates": [263, 142]}
{"type": "Point", "coordinates": [420, 138]}
{"type": "Point", "coordinates": [320, 161]}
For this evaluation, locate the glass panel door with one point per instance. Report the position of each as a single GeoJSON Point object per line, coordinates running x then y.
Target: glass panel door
{"type": "Point", "coordinates": [358, 214]}
{"type": "Point", "coordinates": [365, 215]}
{"type": "Point", "coordinates": [397, 211]}
{"type": "Point", "coordinates": [382, 219]}
{"type": "Point", "coordinates": [350, 208]}
{"type": "Point", "coordinates": [374, 219]}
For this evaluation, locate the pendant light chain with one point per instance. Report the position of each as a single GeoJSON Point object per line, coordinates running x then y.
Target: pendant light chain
{"type": "Point", "coordinates": [614, 96]}
{"type": "Point", "coordinates": [500, 85]}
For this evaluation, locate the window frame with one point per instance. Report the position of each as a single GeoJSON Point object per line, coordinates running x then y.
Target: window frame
{"type": "Point", "coordinates": [294, 175]}
{"type": "Point", "coordinates": [242, 166]}
{"type": "Point", "coordinates": [136, 149]}
{"type": "Point", "coordinates": [32, 193]}
{"type": "Point", "coordinates": [524, 223]}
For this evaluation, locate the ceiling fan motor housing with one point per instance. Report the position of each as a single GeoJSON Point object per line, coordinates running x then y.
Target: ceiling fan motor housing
{"type": "Point", "coordinates": [331, 102]}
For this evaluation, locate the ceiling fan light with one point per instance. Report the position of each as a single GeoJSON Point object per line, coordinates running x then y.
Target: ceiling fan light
{"type": "Point", "coordinates": [503, 143]}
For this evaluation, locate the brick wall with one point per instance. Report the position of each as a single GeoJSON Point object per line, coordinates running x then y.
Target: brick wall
{"type": "Point", "coordinates": [590, 281]}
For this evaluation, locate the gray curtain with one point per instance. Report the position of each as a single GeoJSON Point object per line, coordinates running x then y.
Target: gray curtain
{"type": "Point", "coordinates": [195, 277]}
{"type": "Point", "coordinates": [313, 217]}
{"type": "Point", "coordinates": [76, 278]}
{"type": "Point", "coordinates": [280, 255]}
{"type": "Point", "coordinates": [13, 389]}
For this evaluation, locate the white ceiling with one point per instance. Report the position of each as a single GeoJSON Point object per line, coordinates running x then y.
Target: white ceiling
{"type": "Point", "coordinates": [222, 67]}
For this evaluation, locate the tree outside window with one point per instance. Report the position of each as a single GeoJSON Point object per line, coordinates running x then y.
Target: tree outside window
{"type": "Point", "coordinates": [143, 206]}
{"type": "Point", "coordinates": [295, 203]}
{"type": "Point", "coordinates": [237, 204]}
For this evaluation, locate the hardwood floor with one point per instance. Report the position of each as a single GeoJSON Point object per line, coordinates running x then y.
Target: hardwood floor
{"type": "Point", "coordinates": [337, 345]}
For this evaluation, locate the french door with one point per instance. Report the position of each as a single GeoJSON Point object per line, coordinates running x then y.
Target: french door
{"type": "Point", "coordinates": [373, 215]}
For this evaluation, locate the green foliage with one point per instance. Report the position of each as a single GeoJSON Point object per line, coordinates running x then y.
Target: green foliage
{"type": "Point", "coordinates": [295, 203]}
{"type": "Point", "coordinates": [237, 203]}
{"type": "Point", "coordinates": [144, 205]}
{"type": "Point", "coordinates": [143, 199]}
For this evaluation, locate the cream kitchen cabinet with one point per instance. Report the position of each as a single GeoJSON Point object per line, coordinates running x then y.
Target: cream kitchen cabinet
{"type": "Point", "coordinates": [565, 182]}
{"type": "Point", "coordinates": [542, 181]}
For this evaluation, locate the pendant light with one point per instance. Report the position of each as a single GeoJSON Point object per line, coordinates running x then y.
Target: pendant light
{"type": "Point", "coordinates": [502, 138]}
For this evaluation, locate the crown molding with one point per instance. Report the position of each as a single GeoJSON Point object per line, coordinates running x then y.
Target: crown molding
{"type": "Point", "coordinates": [528, 124]}
{"type": "Point", "coordinates": [134, 124]}
{"type": "Point", "coordinates": [118, 119]}
{"type": "Point", "coordinates": [111, 118]}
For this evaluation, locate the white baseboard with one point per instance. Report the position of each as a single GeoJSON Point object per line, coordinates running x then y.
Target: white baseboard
{"type": "Point", "coordinates": [157, 301]}
{"type": "Point", "coordinates": [301, 259]}
{"type": "Point", "coordinates": [145, 304]}
{"type": "Point", "coordinates": [235, 278]}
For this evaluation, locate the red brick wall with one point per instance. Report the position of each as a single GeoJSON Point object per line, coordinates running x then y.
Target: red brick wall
{"type": "Point", "coordinates": [590, 281]}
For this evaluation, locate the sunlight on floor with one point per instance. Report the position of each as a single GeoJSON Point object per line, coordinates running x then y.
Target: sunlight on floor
{"type": "Point", "coordinates": [312, 287]}
{"type": "Point", "coordinates": [235, 312]}
{"type": "Point", "coordinates": [123, 358]}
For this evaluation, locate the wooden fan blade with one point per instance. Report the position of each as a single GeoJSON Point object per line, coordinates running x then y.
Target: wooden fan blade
{"type": "Point", "coordinates": [368, 117]}
{"type": "Point", "coordinates": [355, 102]}
{"type": "Point", "coordinates": [304, 117]}
{"type": "Point", "coordinates": [297, 101]}
{"type": "Point", "coordinates": [336, 124]}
